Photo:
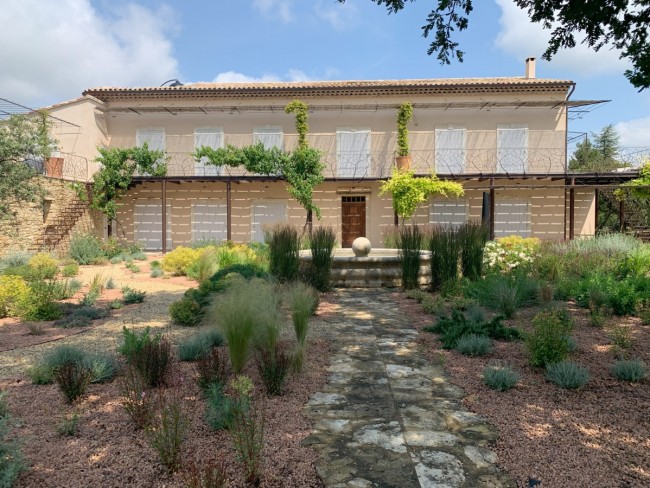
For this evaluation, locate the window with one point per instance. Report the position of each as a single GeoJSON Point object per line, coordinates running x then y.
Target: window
{"type": "Point", "coordinates": [511, 217]}
{"type": "Point", "coordinates": [265, 215]}
{"type": "Point", "coordinates": [148, 224]}
{"type": "Point", "coordinates": [270, 136]}
{"type": "Point", "coordinates": [450, 151]}
{"type": "Point", "coordinates": [209, 220]}
{"type": "Point", "coordinates": [353, 153]}
{"type": "Point", "coordinates": [153, 136]}
{"type": "Point", "coordinates": [210, 137]}
{"type": "Point", "coordinates": [512, 149]}
{"type": "Point", "coordinates": [448, 212]}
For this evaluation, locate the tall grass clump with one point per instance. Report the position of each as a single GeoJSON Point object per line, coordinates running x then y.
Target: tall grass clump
{"type": "Point", "coordinates": [284, 249]}
{"type": "Point", "coordinates": [199, 345]}
{"type": "Point", "coordinates": [168, 429]}
{"type": "Point", "coordinates": [472, 236]}
{"type": "Point", "coordinates": [302, 300]}
{"type": "Point", "coordinates": [444, 244]}
{"type": "Point", "coordinates": [631, 370]}
{"type": "Point", "coordinates": [236, 313]}
{"type": "Point", "coordinates": [409, 242]}
{"type": "Point", "coordinates": [500, 378]}
{"type": "Point", "coordinates": [322, 242]}
{"type": "Point", "coordinates": [567, 374]}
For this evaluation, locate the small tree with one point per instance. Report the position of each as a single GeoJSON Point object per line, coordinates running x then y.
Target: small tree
{"type": "Point", "coordinates": [409, 192]}
{"type": "Point", "coordinates": [24, 141]}
{"type": "Point", "coordinates": [118, 165]}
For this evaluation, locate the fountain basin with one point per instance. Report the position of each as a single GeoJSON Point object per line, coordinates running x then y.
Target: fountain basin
{"type": "Point", "coordinates": [381, 268]}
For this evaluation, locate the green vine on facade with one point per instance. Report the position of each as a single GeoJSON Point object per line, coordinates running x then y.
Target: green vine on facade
{"type": "Point", "coordinates": [409, 191]}
{"type": "Point", "coordinates": [118, 165]}
{"type": "Point", "coordinates": [404, 115]}
{"type": "Point", "coordinates": [301, 169]}
{"type": "Point", "coordinates": [301, 111]}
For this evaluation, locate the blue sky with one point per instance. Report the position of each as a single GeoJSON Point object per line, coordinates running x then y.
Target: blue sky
{"type": "Point", "coordinates": [69, 45]}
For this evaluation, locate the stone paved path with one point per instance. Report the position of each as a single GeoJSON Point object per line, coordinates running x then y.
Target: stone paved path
{"type": "Point", "coordinates": [387, 416]}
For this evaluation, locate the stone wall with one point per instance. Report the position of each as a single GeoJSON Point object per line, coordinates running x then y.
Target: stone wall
{"type": "Point", "coordinates": [25, 231]}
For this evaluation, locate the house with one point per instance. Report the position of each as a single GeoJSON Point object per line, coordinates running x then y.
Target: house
{"type": "Point", "coordinates": [505, 139]}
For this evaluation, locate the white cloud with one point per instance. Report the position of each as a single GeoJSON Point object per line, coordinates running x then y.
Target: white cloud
{"type": "Point", "coordinates": [235, 77]}
{"type": "Point", "coordinates": [634, 133]}
{"type": "Point", "coordinates": [523, 38]}
{"type": "Point", "coordinates": [275, 9]}
{"type": "Point", "coordinates": [55, 50]}
{"type": "Point", "coordinates": [339, 16]}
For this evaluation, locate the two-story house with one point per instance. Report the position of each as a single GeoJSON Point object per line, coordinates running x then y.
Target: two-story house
{"type": "Point", "coordinates": [503, 138]}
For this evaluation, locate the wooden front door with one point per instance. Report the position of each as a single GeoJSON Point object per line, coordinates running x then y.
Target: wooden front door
{"type": "Point", "coordinates": [353, 219]}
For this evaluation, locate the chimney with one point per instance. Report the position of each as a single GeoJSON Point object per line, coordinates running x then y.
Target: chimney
{"type": "Point", "coordinates": [530, 68]}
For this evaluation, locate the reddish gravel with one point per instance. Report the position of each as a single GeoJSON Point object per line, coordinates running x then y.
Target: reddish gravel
{"type": "Point", "coordinates": [109, 452]}
{"type": "Point", "coordinates": [598, 436]}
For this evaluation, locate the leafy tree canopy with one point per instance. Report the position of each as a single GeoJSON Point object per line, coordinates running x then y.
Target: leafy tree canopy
{"type": "Point", "coordinates": [24, 143]}
{"type": "Point", "coordinates": [118, 165]}
{"type": "Point", "coordinates": [622, 24]}
{"type": "Point", "coordinates": [599, 156]}
{"type": "Point", "coordinates": [408, 192]}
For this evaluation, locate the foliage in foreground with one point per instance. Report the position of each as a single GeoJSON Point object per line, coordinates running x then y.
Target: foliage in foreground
{"type": "Point", "coordinates": [451, 329]}
{"type": "Point", "coordinates": [549, 341]}
{"type": "Point", "coordinates": [500, 378]}
{"type": "Point", "coordinates": [12, 461]}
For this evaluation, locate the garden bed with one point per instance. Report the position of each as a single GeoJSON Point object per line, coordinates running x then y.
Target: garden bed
{"type": "Point", "coordinates": [598, 435]}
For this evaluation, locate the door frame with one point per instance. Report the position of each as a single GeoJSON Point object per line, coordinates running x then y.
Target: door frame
{"type": "Point", "coordinates": [352, 198]}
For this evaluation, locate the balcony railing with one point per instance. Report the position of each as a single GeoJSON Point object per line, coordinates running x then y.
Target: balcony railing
{"type": "Point", "coordinates": [64, 166]}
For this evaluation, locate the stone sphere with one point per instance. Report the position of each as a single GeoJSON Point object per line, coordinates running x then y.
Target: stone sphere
{"type": "Point", "coordinates": [361, 247]}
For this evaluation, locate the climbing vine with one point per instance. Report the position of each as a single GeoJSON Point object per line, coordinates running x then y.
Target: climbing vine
{"type": "Point", "coordinates": [300, 109]}
{"type": "Point", "coordinates": [404, 114]}
{"type": "Point", "coordinates": [118, 165]}
{"type": "Point", "coordinates": [638, 187]}
{"type": "Point", "coordinates": [408, 191]}
{"type": "Point", "coordinates": [302, 168]}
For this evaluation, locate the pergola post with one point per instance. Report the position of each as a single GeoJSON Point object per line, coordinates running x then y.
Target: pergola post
{"type": "Point", "coordinates": [572, 209]}
{"type": "Point", "coordinates": [492, 196]}
{"type": "Point", "coordinates": [621, 215]}
{"type": "Point", "coordinates": [228, 211]}
{"type": "Point", "coordinates": [596, 215]}
{"type": "Point", "coordinates": [395, 218]}
{"type": "Point", "coordinates": [164, 215]}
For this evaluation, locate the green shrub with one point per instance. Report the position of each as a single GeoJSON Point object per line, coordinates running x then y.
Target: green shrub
{"type": "Point", "coordinates": [178, 260]}
{"type": "Point", "coordinates": [631, 370]}
{"type": "Point", "coordinates": [133, 268]}
{"type": "Point", "coordinates": [116, 260]}
{"type": "Point", "coordinates": [444, 244]}
{"type": "Point", "coordinates": [14, 293]}
{"type": "Point", "coordinates": [567, 374]}
{"type": "Point", "coordinates": [101, 367]}
{"type": "Point", "coordinates": [284, 249]}
{"type": "Point", "coordinates": [134, 342]}
{"type": "Point", "coordinates": [472, 236]}
{"type": "Point", "coordinates": [322, 242]}
{"type": "Point", "coordinates": [85, 248]}
{"type": "Point", "coordinates": [247, 271]}
{"type": "Point", "coordinates": [475, 313]}
{"type": "Point", "coordinates": [73, 379]}
{"type": "Point", "coordinates": [154, 361]}
{"type": "Point", "coordinates": [39, 303]}
{"type": "Point", "coordinates": [302, 300]}
{"type": "Point", "coordinates": [67, 289]}
{"type": "Point", "coordinates": [81, 317]}
{"type": "Point", "coordinates": [220, 408]}
{"type": "Point", "coordinates": [44, 265]}
{"type": "Point", "coordinates": [510, 253]}
{"type": "Point", "coordinates": [12, 461]}
{"type": "Point", "coordinates": [621, 337]}
{"type": "Point", "coordinates": [156, 273]}
{"type": "Point", "coordinates": [500, 378]}
{"type": "Point", "coordinates": [416, 294]}
{"type": "Point", "coordinates": [129, 295]}
{"type": "Point", "coordinates": [409, 240]}
{"type": "Point", "coordinates": [549, 341]}
{"type": "Point", "coordinates": [211, 369]}
{"type": "Point", "coordinates": [68, 426]}
{"type": "Point", "coordinates": [70, 270]}
{"type": "Point", "coordinates": [474, 345]}
{"type": "Point", "coordinates": [247, 434]}
{"type": "Point", "coordinates": [199, 345]}
{"type": "Point", "coordinates": [453, 328]}
{"type": "Point", "coordinates": [110, 284]}
{"type": "Point", "coordinates": [139, 402]}
{"type": "Point", "coordinates": [433, 305]}
{"type": "Point", "coordinates": [210, 474]}
{"type": "Point", "coordinates": [205, 266]}
{"type": "Point", "coordinates": [505, 293]}
{"type": "Point", "coordinates": [14, 259]}
{"type": "Point", "coordinates": [139, 256]}
{"type": "Point", "coordinates": [274, 368]}
{"type": "Point", "coordinates": [155, 264]}
{"type": "Point", "coordinates": [186, 311]}
{"type": "Point", "coordinates": [115, 304]}
{"type": "Point", "coordinates": [167, 431]}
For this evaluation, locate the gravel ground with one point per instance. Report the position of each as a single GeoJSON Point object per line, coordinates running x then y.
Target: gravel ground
{"type": "Point", "coordinates": [596, 436]}
{"type": "Point", "coordinates": [108, 452]}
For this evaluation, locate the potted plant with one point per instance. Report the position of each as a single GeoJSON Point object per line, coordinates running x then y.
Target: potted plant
{"type": "Point", "coordinates": [54, 167]}
{"type": "Point", "coordinates": [404, 114]}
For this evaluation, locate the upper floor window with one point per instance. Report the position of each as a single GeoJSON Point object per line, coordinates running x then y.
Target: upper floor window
{"type": "Point", "coordinates": [270, 136]}
{"type": "Point", "coordinates": [353, 152]}
{"type": "Point", "coordinates": [450, 150]}
{"type": "Point", "coordinates": [512, 148]}
{"type": "Point", "coordinates": [153, 136]}
{"type": "Point", "coordinates": [210, 137]}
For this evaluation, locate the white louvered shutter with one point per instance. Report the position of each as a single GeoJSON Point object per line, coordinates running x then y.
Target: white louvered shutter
{"type": "Point", "coordinates": [450, 151]}
{"type": "Point", "coordinates": [512, 150]}
{"type": "Point", "coordinates": [353, 153]}
{"type": "Point", "coordinates": [269, 136]}
{"type": "Point", "coordinates": [210, 137]}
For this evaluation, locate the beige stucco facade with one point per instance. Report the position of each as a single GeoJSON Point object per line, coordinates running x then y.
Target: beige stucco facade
{"type": "Point", "coordinates": [480, 114]}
